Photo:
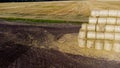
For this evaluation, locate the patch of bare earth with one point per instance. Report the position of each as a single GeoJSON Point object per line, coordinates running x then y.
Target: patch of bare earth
{"type": "Point", "coordinates": [26, 46]}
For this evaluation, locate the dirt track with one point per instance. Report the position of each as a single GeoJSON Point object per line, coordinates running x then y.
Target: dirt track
{"type": "Point", "coordinates": [56, 29]}
{"type": "Point", "coordinates": [14, 55]}
{"type": "Point", "coordinates": [53, 28]}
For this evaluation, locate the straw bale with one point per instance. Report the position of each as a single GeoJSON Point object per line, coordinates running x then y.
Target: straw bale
{"type": "Point", "coordinates": [111, 20]}
{"type": "Point", "coordinates": [95, 13]}
{"type": "Point", "coordinates": [91, 27]}
{"type": "Point", "coordinates": [81, 42]}
{"type": "Point", "coordinates": [117, 28]}
{"type": "Point", "coordinates": [102, 20]}
{"type": "Point", "coordinates": [99, 44]}
{"type": "Point", "coordinates": [109, 36]}
{"type": "Point", "coordinates": [99, 35]}
{"type": "Point", "coordinates": [90, 43]}
{"type": "Point", "coordinates": [108, 45]}
{"type": "Point", "coordinates": [84, 27]}
{"type": "Point", "coordinates": [91, 35]}
{"type": "Point", "coordinates": [117, 36]}
{"type": "Point", "coordinates": [113, 13]}
{"type": "Point", "coordinates": [82, 34]}
{"type": "Point", "coordinates": [118, 21]}
{"type": "Point", "coordinates": [100, 27]}
{"type": "Point", "coordinates": [109, 28]}
{"type": "Point", "coordinates": [118, 14]}
{"type": "Point", "coordinates": [116, 46]}
{"type": "Point", "coordinates": [92, 20]}
{"type": "Point", "coordinates": [103, 13]}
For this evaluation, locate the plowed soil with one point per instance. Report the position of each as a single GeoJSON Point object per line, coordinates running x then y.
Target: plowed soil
{"type": "Point", "coordinates": [15, 53]}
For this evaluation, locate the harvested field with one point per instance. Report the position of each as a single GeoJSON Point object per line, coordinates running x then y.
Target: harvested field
{"type": "Point", "coordinates": [51, 45]}
{"type": "Point", "coordinates": [62, 10]}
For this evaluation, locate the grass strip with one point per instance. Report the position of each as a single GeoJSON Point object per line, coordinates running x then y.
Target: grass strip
{"type": "Point", "coordinates": [38, 21]}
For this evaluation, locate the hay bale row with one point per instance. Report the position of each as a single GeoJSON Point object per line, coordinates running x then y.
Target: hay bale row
{"type": "Point", "coordinates": [109, 20]}
{"type": "Point", "coordinates": [100, 28]}
{"type": "Point", "coordinates": [102, 32]}
{"type": "Point", "coordinates": [107, 45]}
{"type": "Point", "coordinates": [99, 35]}
{"type": "Point", "coordinates": [105, 13]}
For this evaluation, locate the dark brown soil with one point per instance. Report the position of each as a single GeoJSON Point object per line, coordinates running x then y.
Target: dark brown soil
{"type": "Point", "coordinates": [21, 56]}
{"type": "Point", "coordinates": [16, 53]}
{"type": "Point", "coordinates": [56, 29]}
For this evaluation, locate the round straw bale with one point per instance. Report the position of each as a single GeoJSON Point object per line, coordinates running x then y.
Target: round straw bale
{"type": "Point", "coordinates": [91, 27]}
{"type": "Point", "coordinates": [99, 44]}
{"type": "Point", "coordinates": [100, 27]}
{"type": "Point", "coordinates": [117, 28]}
{"type": "Point", "coordinates": [99, 35]}
{"type": "Point", "coordinates": [116, 46]}
{"type": "Point", "coordinates": [118, 14]}
{"type": "Point", "coordinates": [118, 21]}
{"type": "Point", "coordinates": [113, 13]}
{"type": "Point", "coordinates": [102, 20]}
{"type": "Point", "coordinates": [95, 13]}
{"type": "Point", "coordinates": [108, 45]}
{"type": "Point", "coordinates": [103, 13]}
{"type": "Point", "coordinates": [111, 20]}
{"type": "Point", "coordinates": [109, 28]}
{"type": "Point", "coordinates": [109, 36]}
{"type": "Point", "coordinates": [117, 36]}
{"type": "Point", "coordinates": [81, 42]}
{"type": "Point", "coordinates": [92, 20]}
{"type": "Point", "coordinates": [84, 27]}
{"type": "Point", "coordinates": [82, 34]}
{"type": "Point", "coordinates": [91, 35]}
{"type": "Point", "coordinates": [90, 43]}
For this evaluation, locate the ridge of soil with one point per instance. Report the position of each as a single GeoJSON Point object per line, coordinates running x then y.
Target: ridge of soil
{"type": "Point", "coordinates": [15, 51]}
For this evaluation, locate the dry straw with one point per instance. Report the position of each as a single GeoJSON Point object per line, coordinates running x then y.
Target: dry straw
{"type": "Point", "coordinates": [108, 45]}
{"type": "Point", "coordinates": [82, 43]}
{"type": "Point", "coordinates": [103, 13]}
{"type": "Point", "coordinates": [100, 35]}
{"type": "Point", "coordinates": [95, 13]}
{"type": "Point", "coordinates": [113, 13]}
{"type": "Point", "coordinates": [82, 34]}
{"type": "Point", "coordinates": [92, 20]}
{"type": "Point", "coordinates": [99, 44]}
{"type": "Point", "coordinates": [111, 21]}
{"type": "Point", "coordinates": [118, 21]}
{"type": "Point", "coordinates": [84, 27]}
{"type": "Point", "coordinates": [90, 43]}
{"type": "Point", "coordinates": [118, 14]}
{"type": "Point", "coordinates": [100, 27]}
{"type": "Point", "coordinates": [91, 35]}
{"type": "Point", "coordinates": [102, 20]}
{"type": "Point", "coordinates": [117, 28]}
{"type": "Point", "coordinates": [102, 32]}
{"type": "Point", "coordinates": [91, 27]}
{"type": "Point", "coordinates": [109, 28]}
{"type": "Point", "coordinates": [109, 36]}
{"type": "Point", "coordinates": [117, 36]}
{"type": "Point", "coordinates": [116, 46]}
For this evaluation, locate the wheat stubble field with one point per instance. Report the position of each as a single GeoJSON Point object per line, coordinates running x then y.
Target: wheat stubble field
{"type": "Point", "coordinates": [57, 10]}
{"type": "Point", "coordinates": [65, 52]}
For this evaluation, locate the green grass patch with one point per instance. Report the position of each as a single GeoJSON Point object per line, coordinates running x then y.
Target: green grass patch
{"type": "Point", "coordinates": [38, 21]}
